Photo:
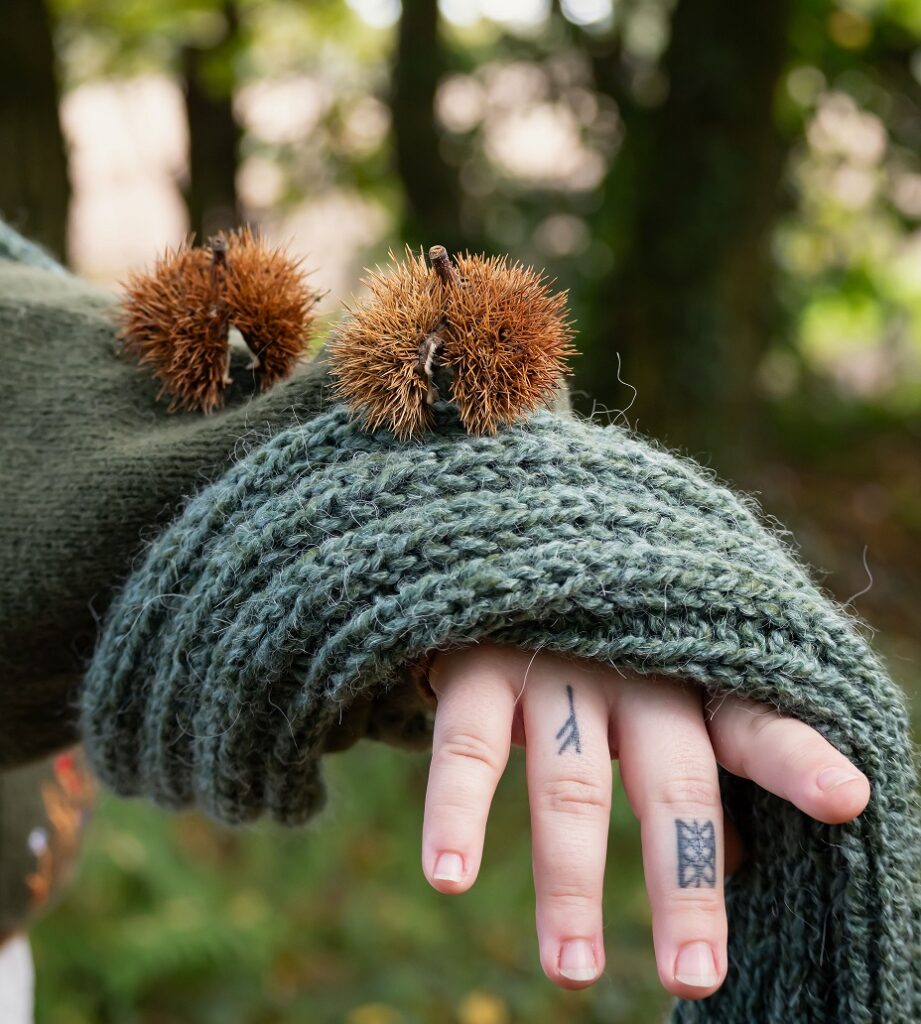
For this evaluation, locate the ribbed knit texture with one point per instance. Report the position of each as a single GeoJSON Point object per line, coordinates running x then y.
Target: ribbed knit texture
{"type": "Point", "coordinates": [328, 560]}
{"type": "Point", "coordinates": [91, 466]}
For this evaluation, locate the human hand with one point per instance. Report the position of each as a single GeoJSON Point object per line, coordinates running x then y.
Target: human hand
{"type": "Point", "coordinates": [573, 717]}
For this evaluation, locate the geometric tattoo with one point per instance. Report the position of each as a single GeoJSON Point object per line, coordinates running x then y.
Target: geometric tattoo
{"type": "Point", "coordinates": [696, 854]}
{"type": "Point", "coordinates": [570, 724]}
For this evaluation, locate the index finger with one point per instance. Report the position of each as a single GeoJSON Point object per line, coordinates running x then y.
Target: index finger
{"type": "Point", "coordinates": [470, 749]}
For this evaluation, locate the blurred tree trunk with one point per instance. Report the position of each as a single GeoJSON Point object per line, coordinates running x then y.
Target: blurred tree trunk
{"type": "Point", "coordinates": [214, 132]}
{"type": "Point", "coordinates": [430, 186]}
{"type": "Point", "coordinates": [34, 188]}
{"type": "Point", "coordinates": [695, 193]}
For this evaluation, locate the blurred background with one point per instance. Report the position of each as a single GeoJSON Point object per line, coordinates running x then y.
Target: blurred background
{"type": "Point", "coordinates": [731, 192]}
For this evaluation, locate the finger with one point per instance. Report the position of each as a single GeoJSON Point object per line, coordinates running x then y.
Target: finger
{"type": "Point", "coordinates": [470, 749]}
{"type": "Point", "coordinates": [669, 773]}
{"type": "Point", "coordinates": [568, 758]}
{"type": "Point", "coordinates": [787, 758]}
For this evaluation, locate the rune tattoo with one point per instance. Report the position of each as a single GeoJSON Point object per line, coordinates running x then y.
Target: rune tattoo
{"type": "Point", "coordinates": [696, 854]}
{"type": "Point", "coordinates": [570, 727]}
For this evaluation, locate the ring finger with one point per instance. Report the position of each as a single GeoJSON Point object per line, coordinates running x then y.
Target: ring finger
{"type": "Point", "coordinates": [669, 774]}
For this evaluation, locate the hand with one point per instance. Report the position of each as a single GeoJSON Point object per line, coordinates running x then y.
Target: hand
{"type": "Point", "coordinates": [573, 717]}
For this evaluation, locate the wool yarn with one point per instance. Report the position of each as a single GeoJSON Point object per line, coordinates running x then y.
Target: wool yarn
{"type": "Point", "coordinates": [14, 247]}
{"type": "Point", "coordinates": [91, 465]}
{"type": "Point", "coordinates": [327, 561]}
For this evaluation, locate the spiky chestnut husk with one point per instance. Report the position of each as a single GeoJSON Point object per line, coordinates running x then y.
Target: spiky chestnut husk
{"type": "Point", "coordinates": [374, 354]}
{"type": "Point", "coordinates": [176, 318]}
{"type": "Point", "coordinates": [497, 327]}
{"type": "Point", "coordinates": [271, 304]}
{"type": "Point", "coordinates": [171, 322]}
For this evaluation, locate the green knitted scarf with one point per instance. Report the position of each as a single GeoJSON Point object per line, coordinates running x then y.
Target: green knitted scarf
{"type": "Point", "coordinates": [317, 570]}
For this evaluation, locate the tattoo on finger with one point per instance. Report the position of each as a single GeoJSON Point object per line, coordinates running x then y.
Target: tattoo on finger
{"type": "Point", "coordinates": [570, 727]}
{"type": "Point", "coordinates": [696, 854]}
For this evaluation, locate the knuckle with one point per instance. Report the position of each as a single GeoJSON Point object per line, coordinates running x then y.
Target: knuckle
{"type": "Point", "coordinates": [758, 738]}
{"type": "Point", "coordinates": [700, 902]}
{"type": "Point", "coordinates": [768, 735]}
{"type": "Point", "coordinates": [469, 748]}
{"type": "Point", "coordinates": [798, 760]}
{"type": "Point", "coordinates": [572, 794]}
{"type": "Point", "coordinates": [563, 895]}
{"type": "Point", "coordinates": [689, 789]}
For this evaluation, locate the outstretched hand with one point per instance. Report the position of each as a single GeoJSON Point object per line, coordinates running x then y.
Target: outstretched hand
{"type": "Point", "coordinates": [573, 717]}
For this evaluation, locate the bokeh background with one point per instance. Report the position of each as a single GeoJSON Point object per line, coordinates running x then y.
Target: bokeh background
{"type": "Point", "coordinates": [732, 193]}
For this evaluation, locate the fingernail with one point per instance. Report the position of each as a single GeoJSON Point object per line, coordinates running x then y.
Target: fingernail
{"type": "Point", "coordinates": [449, 867]}
{"type": "Point", "coordinates": [577, 960]}
{"type": "Point", "coordinates": [831, 778]}
{"type": "Point", "coordinates": [695, 965]}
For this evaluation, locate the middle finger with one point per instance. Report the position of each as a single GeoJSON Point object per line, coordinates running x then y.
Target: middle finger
{"type": "Point", "coordinates": [566, 717]}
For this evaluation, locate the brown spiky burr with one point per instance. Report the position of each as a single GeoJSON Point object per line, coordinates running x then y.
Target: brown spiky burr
{"type": "Point", "coordinates": [490, 332]}
{"type": "Point", "coordinates": [375, 354]}
{"type": "Point", "coordinates": [176, 318]}
{"type": "Point", "coordinates": [172, 322]}
{"type": "Point", "coordinates": [271, 304]}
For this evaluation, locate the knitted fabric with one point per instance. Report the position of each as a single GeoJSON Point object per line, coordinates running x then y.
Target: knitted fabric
{"type": "Point", "coordinates": [90, 465]}
{"type": "Point", "coordinates": [14, 247]}
{"type": "Point", "coordinates": [329, 560]}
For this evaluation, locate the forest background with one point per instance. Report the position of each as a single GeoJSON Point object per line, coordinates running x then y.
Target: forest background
{"type": "Point", "coordinates": [732, 194]}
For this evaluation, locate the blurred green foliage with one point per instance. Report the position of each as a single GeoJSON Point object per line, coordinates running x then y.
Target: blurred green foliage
{"type": "Point", "coordinates": [176, 920]}
{"type": "Point", "coordinates": [528, 135]}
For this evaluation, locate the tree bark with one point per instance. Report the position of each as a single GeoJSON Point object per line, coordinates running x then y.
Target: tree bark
{"type": "Point", "coordinates": [430, 186]}
{"type": "Point", "coordinates": [214, 132]}
{"type": "Point", "coordinates": [34, 187]}
{"type": "Point", "coordinates": [694, 195]}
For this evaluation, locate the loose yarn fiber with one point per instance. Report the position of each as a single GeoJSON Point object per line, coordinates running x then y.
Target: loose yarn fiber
{"type": "Point", "coordinates": [329, 560]}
